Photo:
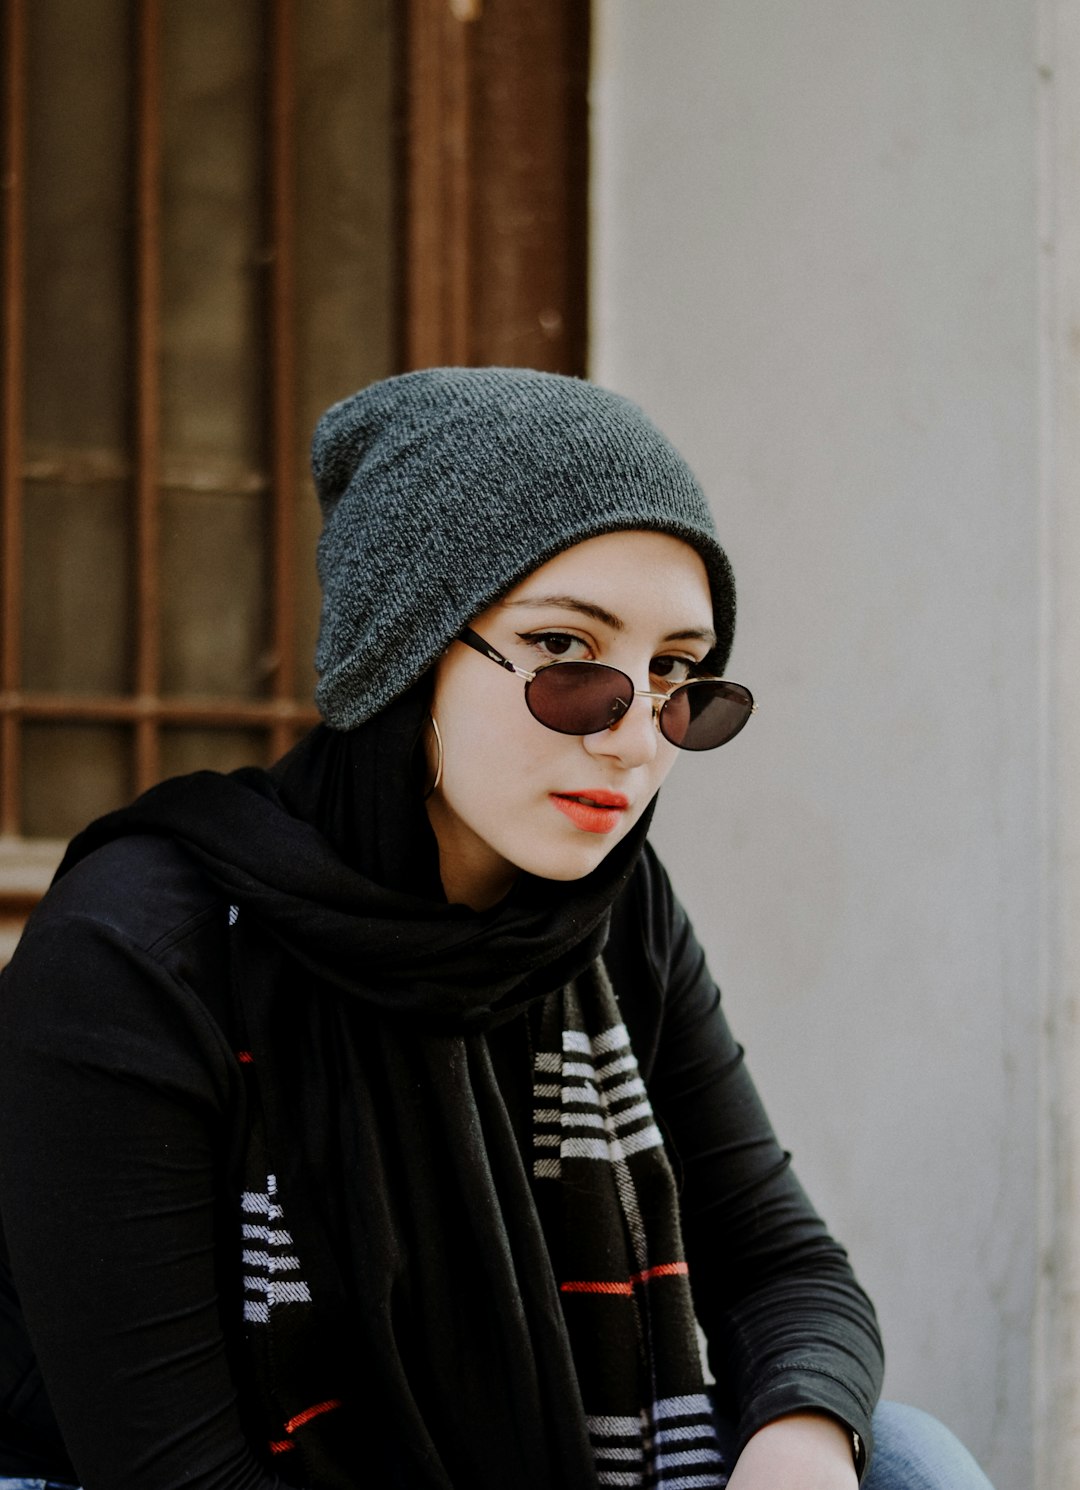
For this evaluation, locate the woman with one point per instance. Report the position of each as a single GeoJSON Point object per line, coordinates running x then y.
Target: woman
{"type": "Point", "coordinates": [373, 1121]}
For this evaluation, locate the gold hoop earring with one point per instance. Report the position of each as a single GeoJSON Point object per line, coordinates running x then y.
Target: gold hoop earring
{"type": "Point", "coordinates": [434, 787]}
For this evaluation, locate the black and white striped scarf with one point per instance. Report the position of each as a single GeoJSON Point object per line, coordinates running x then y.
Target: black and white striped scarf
{"type": "Point", "coordinates": [424, 1305]}
{"type": "Point", "coordinates": [605, 1200]}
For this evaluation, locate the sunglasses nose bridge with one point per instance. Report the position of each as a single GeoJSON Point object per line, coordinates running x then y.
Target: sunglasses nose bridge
{"type": "Point", "coordinates": [656, 701]}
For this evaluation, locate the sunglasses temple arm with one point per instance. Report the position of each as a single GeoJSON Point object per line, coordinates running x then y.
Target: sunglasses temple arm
{"type": "Point", "coordinates": [476, 641]}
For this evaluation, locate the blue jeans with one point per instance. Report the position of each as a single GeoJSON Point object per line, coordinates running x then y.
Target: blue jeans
{"type": "Point", "coordinates": [8, 1484]}
{"type": "Point", "coordinates": [912, 1451]}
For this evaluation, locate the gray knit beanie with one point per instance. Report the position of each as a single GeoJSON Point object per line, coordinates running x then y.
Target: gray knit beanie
{"type": "Point", "coordinates": [442, 489]}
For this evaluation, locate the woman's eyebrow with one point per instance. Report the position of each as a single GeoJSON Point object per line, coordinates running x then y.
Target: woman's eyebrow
{"type": "Point", "coordinates": [598, 613]}
{"type": "Point", "coordinates": [569, 602]}
{"type": "Point", "coordinates": [693, 634]}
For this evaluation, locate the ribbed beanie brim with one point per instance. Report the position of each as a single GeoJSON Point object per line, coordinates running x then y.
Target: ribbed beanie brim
{"type": "Point", "coordinates": [442, 489]}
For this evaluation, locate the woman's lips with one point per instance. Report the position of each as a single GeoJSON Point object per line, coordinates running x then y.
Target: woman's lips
{"type": "Point", "coordinates": [592, 811]}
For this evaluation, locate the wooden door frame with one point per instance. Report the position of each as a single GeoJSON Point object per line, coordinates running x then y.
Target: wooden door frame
{"type": "Point", "coordinates": [495, 175]}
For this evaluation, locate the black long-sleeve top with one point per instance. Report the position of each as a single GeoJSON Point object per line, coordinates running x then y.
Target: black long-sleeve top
{"type": "Point", "coordinates": [121, 1128]}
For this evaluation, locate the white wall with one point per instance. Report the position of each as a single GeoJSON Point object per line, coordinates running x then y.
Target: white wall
{"type": "Point", "coordinates": [815, 265]}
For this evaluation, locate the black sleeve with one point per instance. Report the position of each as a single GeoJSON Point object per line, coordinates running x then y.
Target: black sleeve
{"type": "Point", "coordinates": [787, 1324]}
{"type": "Point", "coordinates": [113, 1081]}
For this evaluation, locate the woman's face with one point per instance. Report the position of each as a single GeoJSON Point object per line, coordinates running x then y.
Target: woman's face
{"type": "Point", "coordinates": [515, 795]}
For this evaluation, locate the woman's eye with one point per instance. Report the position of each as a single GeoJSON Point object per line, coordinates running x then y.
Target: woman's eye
{"type": "Point", "coordinates": [557, 644]}
{"type": "Point", "coordinates": [672, 670]}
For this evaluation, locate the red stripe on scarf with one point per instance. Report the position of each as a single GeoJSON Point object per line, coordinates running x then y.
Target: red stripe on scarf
{"type": "Point", "coordinates": [621, 1288]}
{"type": "Point", "coordinates": [311, 1412]}
{"type": "Point", "coordinates": [283, 1445]}
{"type": "Point", "coordinates": [662, 1270]}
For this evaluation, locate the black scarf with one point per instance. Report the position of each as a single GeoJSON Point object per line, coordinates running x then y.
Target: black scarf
{"type": "Point", "coordinates": [421, 1311]}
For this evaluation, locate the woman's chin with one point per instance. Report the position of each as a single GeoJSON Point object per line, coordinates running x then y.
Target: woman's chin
{"type": "Point", "coordinates": [566, 863]}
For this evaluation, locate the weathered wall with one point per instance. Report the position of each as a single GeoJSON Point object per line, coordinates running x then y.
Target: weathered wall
{"type": "Point", "coordinates": [815, 263]}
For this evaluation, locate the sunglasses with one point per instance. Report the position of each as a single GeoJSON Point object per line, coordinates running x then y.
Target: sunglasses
{"type": "Point", "coordinates": [583, 698]}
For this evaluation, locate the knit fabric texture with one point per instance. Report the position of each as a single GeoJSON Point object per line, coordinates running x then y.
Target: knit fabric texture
{"type": "Point", "coordinates": [442, 489]}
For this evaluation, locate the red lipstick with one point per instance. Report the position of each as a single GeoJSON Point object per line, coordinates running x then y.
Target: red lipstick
{"type": "Point", "coordinates": [595, 811]}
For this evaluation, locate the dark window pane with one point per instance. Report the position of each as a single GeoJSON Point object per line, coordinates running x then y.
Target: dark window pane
{"type": "Point", "coordinates": [76, 597]}
{"type": "Point", "coordinates": [72, 773]}
{"type": "Point", "coordinates": [212, 269]}
{"type": "Point", "coordinates": [184, 750]}
{"type": "Point", "coordinates": [213, 606]}
{"type": "Point", "coordinates": [78, 277]}
{"type": "Point", "coordinates": [346, 245]}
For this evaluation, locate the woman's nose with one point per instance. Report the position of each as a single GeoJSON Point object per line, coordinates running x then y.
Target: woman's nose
{"type": "Point", "coordinates": [634, 740]}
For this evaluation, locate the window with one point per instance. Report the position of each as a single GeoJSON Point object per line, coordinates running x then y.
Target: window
{"type": "Point", "coordinates": [217, 220]}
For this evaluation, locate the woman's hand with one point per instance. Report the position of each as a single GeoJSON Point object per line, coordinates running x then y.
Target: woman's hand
{"type": "Point", "coordinates": [803, 1451]}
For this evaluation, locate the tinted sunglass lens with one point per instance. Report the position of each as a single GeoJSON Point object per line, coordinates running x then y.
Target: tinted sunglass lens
{"type": "Point", "coordinates": [701, 716]}
{"type": "Point", "coordinates": [579, 698]}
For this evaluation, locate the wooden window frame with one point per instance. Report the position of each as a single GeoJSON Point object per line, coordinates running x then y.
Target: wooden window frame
{"type": "Point", "coordinates": [495, 183]}
{"type": "Point", "coordinates": [493, 125]}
